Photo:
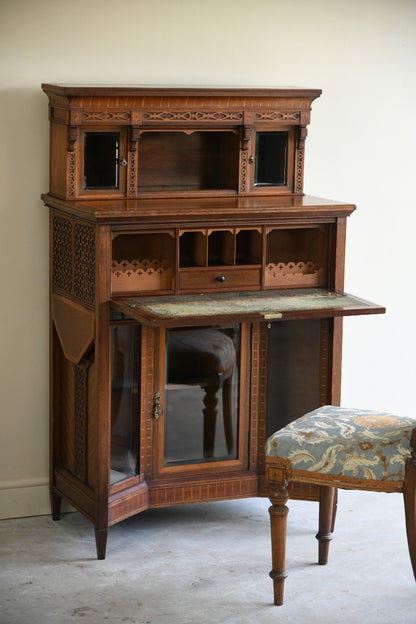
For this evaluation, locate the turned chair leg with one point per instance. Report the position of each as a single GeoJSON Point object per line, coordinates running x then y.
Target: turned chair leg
{"type": "Point", "coordinates": [278, 522]}
{"type": "Point", "coordinates": [326, 521]}
{"type": "Point", "coordinates": [409, 495]}
{"type": "Point", "coordinates": [210, 418]}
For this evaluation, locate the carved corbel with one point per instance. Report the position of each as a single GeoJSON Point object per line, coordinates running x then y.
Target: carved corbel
{"type": "Point", "coordinates": [72, 137]}
{"type": "Point", "coordinates": [247, 131]}
{"type": "Point", "coordinates": [302, 134]}
{"type": "Point", "coordinates": [134, 138]}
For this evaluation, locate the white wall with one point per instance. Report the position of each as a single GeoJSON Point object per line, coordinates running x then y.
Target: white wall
{"type": "Point", "coordinates": [360, 149]}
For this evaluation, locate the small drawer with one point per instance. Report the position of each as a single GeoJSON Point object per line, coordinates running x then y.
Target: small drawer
{"type": "Point", "coordinates": [220, 278]}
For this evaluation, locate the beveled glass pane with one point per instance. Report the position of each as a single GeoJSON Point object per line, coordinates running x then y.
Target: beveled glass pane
{"type": "Point", "coordinates": [271, 159]}
{"type": "Point", "coordinates": [101, 153]}
{"type": "Point", "coordinates": [125, 384]}
{"type": "Point", "coordinates": [201, 394]}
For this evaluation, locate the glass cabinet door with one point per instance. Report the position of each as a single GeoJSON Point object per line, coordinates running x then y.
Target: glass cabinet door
{"type": "Point", "coordinates": [271, 161]}
{"type": "Point", "coordinates": [125, 385]}
{"type": "Point", "coordinates": [103, 162]}
{"type": "Point", "coordinates": [203, 396]}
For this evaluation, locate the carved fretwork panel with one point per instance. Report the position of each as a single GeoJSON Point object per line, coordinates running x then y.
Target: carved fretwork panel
{"type": "Point", "coordinates": [285, 116]}
{"type": "Point", "coordinates": [84, 263]}
{"type": "Point", "coordinates": [192, 116]}
{"type": "Point", "coordinates": [62, 272]}
{"type": "Point", "coordinates": [80, 417]}
{"type": "Point", "coordinates": [105, 116]}
{"type": "Point", "coordinates": [73, 252]}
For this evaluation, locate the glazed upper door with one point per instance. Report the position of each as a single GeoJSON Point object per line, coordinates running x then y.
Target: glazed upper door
{"type": "Point", "coordinates": [102, 162]}
{"type": "Point", "coordinates": [268, 164]}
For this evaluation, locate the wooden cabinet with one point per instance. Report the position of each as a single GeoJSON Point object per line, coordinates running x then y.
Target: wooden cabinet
{"type": "Point", "coordinates": [197, 294]}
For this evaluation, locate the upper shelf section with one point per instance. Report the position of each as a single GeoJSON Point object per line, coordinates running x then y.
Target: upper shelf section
{"type": "Point", "coordinates": [130, 142]}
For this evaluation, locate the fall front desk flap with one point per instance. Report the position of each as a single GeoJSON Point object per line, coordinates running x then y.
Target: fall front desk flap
{"type": "Point", "coordinates": [199, 309]}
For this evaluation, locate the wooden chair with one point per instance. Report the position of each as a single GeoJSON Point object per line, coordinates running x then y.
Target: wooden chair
{"type": "Point", "coordinates": [335, 447]}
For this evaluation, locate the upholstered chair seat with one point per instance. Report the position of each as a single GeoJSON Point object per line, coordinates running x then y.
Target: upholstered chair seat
{"type": "Point", "coordinates": [335, 447]}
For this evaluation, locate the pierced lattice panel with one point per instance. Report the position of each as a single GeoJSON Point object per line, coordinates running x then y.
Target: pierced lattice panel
{"type": "Point", "coordinates": [73, 251]}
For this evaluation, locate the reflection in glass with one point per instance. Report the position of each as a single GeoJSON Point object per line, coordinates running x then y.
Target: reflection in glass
{"type": "Point", "coordinates": [271, 159]}
{"type": "Point", "coordinates": [125, 374]}
{"type": "Point", "coordinates": [201, 398]}
{"type": "Point", "coordinates": [101, 153]}
{"type": "Point", "coordinates": [294, 362]}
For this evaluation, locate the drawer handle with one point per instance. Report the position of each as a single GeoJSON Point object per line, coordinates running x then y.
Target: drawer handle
{"type": "Point", "coordinates": [220, 278]}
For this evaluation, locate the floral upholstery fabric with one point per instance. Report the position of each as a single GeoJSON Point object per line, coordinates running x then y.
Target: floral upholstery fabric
{"type": "Point", "coordinates": [346, 442]}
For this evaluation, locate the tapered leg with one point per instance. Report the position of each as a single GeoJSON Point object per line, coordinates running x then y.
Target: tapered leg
{"type": "Point", "coordinates": [410, 509]}
{"type": "Point", "coordinates": [326, 521]}
{"type": "Point", "coordinates": [101, 542]}
{"type": "Point", "coordinates": [334, 510]}
{"type": "Point", "coordinates": [56, 506]}
{"type": "Point", "coordinates": [278, 522]}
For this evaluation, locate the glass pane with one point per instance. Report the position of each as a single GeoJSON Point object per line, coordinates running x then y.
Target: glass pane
{"type": "Point", "coordinates": [201, 394]}
{"type": "Point", "coordinates": [294, 363]}
{"type": "Point", "coordinates": [101, 152]}
{"type": "Point", "coordinates": [125, 377]}
{"type": "Point", "coordinates": [271, 159]}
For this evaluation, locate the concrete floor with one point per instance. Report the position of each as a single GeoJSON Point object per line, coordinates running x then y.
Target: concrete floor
{"type": "Point", "coordinates": [208, 563]}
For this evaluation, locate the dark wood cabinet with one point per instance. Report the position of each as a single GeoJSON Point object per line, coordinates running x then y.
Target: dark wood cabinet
{"type": "Point", "coordinates": [197, 295]}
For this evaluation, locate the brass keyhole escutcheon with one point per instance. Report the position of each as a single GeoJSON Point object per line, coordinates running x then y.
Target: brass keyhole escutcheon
{"type": "Point", "coordinates": [251, 159]}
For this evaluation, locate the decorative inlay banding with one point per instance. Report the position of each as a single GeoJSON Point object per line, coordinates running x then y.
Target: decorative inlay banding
{"type": "Point", "coordinates": [80, 437]}
{"type": "Point", "coordinates": [299, 171]}
{"type": "Point", "coordinates": [243, 178]}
